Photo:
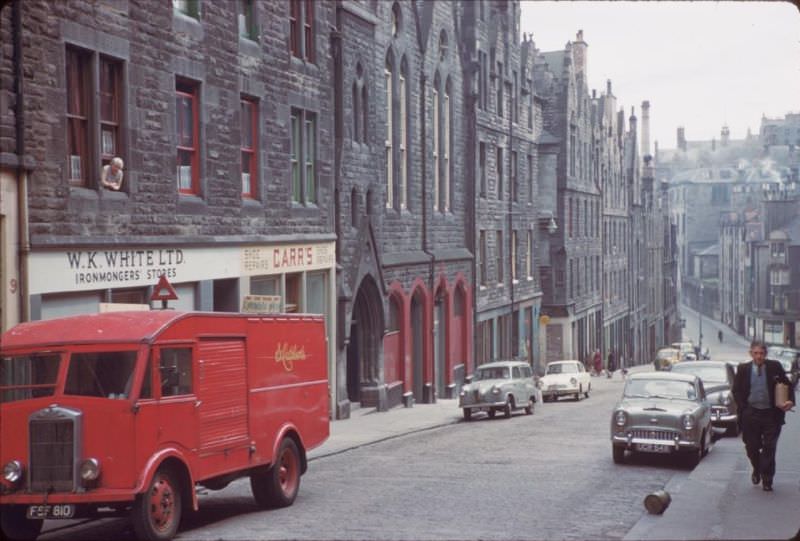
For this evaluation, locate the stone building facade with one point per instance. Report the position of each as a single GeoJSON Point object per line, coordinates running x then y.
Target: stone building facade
{"type": "Point", "coordinates": [501, 132]}
{"type": "Point", "coordinates": [573, 298]}
{"type": "Point", "coordinates": [223, 120]}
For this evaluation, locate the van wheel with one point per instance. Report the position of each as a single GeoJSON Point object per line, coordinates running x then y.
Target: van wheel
{"type": "Point", "coordinates": [16, 527]}
{"type": "Point", "coordinates": [277, 486]}
{"type": "Point", "coordinates": [157, 512]}
{"type": "Point", "coordinates": [508, 407]}
{"type": "Point", "coordinates": [529, 407]}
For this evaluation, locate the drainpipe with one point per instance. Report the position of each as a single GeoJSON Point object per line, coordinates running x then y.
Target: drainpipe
{"type": "Point", "coordinates": [511, 181]}
{"type": "Point", "coordinates": [425, 247]}
{"type": "Point", "coordinates": [22, 178]}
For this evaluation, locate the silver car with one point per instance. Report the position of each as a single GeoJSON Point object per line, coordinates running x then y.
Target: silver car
{"type": "Point", "coordinates": [499, 386]}
{"type": "Point", "coordinates": [717, 379]}
{"type": "Point", "coordinates": [662, 412]}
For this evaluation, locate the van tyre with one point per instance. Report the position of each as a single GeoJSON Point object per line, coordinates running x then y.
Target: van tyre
{"type": "Point", "coordinates": [156, 513]}
{"type": "Point", "coordinates": [14, 526]}
{"type": "Point", "coordinates": [529, 407]}
{"type": "Point", "coordinates": [277, 486]}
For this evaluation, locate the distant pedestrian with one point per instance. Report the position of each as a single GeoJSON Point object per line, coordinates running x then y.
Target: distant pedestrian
{"type": "Point", "coordinates": [760, 418]}
{"type": "Point", "coordinates": [598, 362]}
{"type": "Point", "coordinates": [611, 363]}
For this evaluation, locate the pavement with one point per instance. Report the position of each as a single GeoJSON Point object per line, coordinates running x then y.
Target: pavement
{"type": "Point", "coordinates": [716, 500]}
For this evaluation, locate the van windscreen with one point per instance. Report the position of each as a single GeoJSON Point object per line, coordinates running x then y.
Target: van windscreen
{"type": "Point", "coordinates": [107, 374]}
{"type": "Point", "coordinates": [28, 376]}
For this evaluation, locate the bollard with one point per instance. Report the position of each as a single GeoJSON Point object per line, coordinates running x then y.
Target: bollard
{"type": "Point", "coordinates": [657, 502]}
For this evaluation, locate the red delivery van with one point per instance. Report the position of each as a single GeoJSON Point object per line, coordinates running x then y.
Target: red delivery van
{"type": "Point", "coordinates": [127, 412]}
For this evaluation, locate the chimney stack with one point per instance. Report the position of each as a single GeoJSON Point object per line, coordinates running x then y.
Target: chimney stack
{"type": "Point", "coordinates": [646, 128]}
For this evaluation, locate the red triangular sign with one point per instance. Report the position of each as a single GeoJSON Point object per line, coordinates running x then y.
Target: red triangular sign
{"type": "Point", "coordinates": [164, 291]}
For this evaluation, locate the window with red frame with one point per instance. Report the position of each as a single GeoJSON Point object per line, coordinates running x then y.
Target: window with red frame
{"type": "Point", "coordinates": [78, 68]}
{"type": "Point", "coordinates": [301, 29]}
{"type": "Point", "coordinates": [186, 131]}
{"type": "Point", "coordinates": [249, 148]}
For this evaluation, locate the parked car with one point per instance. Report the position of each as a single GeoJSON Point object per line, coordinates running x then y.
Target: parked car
{"type": "Point", "coordinates": [684, 347]}
{"type": "Point", "coordinates": [666, 357]}
{"type": "Point", "coordinates": [565, 378]}
{"type": "Point", "coordinates": [717, 379]}
{"type": "Point", "coordinates": [789, 358]}
{"type": "Point", "coordinates": [662, 412]}
{"type": "Point", "coordinates": [499, 386]}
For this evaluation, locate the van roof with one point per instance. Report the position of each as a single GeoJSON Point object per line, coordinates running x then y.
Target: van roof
{"type": "Point", "coordinates": [133, 326]}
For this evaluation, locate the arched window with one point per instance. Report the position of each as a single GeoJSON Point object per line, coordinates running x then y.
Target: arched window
{"type": "Point", "coordinates": [446, 146]}
{"type": "Point", "coordinates": [436, 117]}
{"type": "Point", "coordinates": [443, 45]}
{"type": "Point", "coordinates": [403, 134]}
{"type": "Point", "coordinates": [396, 19]}
{"type": "Point", "coordinates": [356, 113]}
{"type": "Point", "coordinates": [364, 113]}
{"type": "Point", "coordinates": [388, 140]}
{"type": "Point", "coordinates": [354, 210]}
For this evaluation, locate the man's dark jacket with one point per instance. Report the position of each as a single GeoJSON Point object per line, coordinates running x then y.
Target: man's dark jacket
{"type": "Point", "coordinates": [741, 386]}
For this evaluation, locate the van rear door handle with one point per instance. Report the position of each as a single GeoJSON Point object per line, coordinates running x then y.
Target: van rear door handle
{"type": "Point", "coordinates": [197, 403]}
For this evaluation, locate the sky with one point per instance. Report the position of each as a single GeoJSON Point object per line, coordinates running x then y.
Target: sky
{"type": "Point", "coordinates": [701, 65]}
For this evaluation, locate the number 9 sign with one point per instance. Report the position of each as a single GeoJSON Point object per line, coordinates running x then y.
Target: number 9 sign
{"type": "Point", "coordinates": [12, 285]}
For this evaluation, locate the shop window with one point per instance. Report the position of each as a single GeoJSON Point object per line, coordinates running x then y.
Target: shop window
{"type": "Point", "coordinates": [316, 293]}
{"type": "Point", "coordinates": [292, 294]}
{"type": "Point", "coordinates": [175, 371]}
{"type": "Point", "coordinates": [264, 285]}
{"type": "Point", "coordinates": [187, 135]}
{"type": "Point", "coordinates": [773, 332]}
{"type": "Point", "coordinates": [129, 296]}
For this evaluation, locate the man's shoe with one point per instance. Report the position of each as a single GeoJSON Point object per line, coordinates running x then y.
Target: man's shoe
{"type": "Point", "coordinates": [767, 485]}
{"type": "Point", "coordinates": [755, 477]}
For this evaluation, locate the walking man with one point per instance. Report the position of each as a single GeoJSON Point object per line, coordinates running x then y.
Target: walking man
{"type": "Point", "coordinates": [759, 418]}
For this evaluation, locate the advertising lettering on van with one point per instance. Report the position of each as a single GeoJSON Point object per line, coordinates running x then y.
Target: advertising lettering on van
{"type": "Point", "coordinates": [287, 354]}
{"type": "Point", "coordinates": [104, 266]}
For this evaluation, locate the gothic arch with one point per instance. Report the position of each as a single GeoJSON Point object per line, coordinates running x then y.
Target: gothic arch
{"type": "Point", "coordinates": [364, 349]}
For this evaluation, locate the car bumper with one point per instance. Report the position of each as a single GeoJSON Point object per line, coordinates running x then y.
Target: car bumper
{"type": "Point", "coordinates": [639, 444]}
{"type": "Point", "coordinates": [723, 418]}
{"type": "Point", "coordinates": [559, 391]}
{"type": "Point", "coordinates": [484, 405]}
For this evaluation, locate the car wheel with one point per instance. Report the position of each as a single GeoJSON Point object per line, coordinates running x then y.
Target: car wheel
{"type": "Point", "coordinates": [529, 407]}
{"type": "Point", "coordinates": [277, 486]}
{"type": "Point", "coordinates": [579, 394]}
{"type": "Point", "coordinates": [708, 442]}
{"type": "Point", "coordinates": [157, 512]}
{"type": "Point", "coordinates": [696, 455]}
{"type": "Point", "coordinates": [491, 413]}
{"type": "Point", "coordinates": [618, 452]}
{"type": "Point", "coordinates": [467, 414]}
{"type": "Point", "coordinates": [14, 525]}
{"type": "Point", "coordinates": [508, 407]}
{"type": "Point", "coordinates": [586, 394]}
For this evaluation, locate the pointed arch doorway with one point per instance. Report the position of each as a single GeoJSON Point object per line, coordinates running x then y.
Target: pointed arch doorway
{"type": "Point", "coordinates": [363, 351]}
{"type": "Point", "coordinates": [418, 345]}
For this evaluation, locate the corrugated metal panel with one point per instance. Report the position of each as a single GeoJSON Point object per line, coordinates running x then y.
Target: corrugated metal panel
{"type": "Point", "coordinates": [223, 391]}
